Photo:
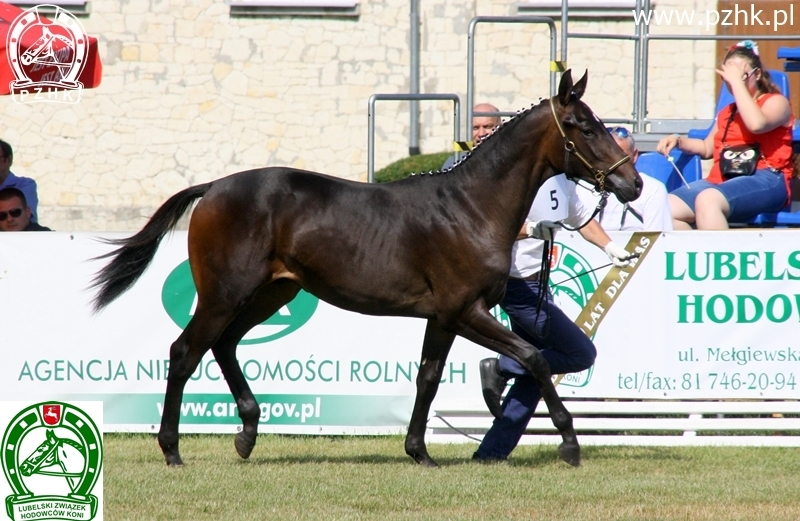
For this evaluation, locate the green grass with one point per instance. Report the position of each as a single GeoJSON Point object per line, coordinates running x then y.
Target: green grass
{"type": "Point", "coordinates": [404, 167]}
{"type": "Point", "coordinates": [371, 478]}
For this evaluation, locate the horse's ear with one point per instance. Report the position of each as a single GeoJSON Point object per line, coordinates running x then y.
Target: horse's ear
{"type": "Point", "coordinates": [565, 88]}
{"type": "Point", "coordinates": [580, 86]}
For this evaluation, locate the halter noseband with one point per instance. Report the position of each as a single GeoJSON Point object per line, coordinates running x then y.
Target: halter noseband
{"type": "Point", "coordinates": [569, 147]}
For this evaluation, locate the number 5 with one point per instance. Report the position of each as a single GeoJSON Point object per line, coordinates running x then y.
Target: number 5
{"type": "Point", "coordinates": [554, 199]}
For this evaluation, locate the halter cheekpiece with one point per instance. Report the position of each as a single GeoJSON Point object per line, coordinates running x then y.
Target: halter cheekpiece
{"type": "Point", "coordinates": [569, 147]}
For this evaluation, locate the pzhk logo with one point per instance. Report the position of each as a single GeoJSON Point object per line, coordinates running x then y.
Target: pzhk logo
{"type": "Point", "coordinates": [572, 288]}
{"type": "Point", "coordinates": [46, 57]}
{"type": "Point", "coordinates": [179, 298]}
{"type": "Point", "coordinates": [52, 454]}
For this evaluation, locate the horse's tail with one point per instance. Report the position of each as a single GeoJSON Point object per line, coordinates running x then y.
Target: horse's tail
{"type": "Point", "coordinates": [136, 252]}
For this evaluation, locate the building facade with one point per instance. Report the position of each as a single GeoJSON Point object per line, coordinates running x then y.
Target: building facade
{"type": "Point", "coordinates": [192, 93]}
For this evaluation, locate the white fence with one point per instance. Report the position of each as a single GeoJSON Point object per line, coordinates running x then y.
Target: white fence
{"type": "Point", "coordinates": [705, 325]}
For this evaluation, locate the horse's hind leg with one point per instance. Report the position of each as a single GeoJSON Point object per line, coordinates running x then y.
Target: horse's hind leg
{"type": "Point", "coordinates": [435, 349]}
{"type": "Point", "coordinates": [480, 327]}
{"type": "Point", "coordinates": [184, 356]}
{"type": "Point", "coordinates": [268, 300]}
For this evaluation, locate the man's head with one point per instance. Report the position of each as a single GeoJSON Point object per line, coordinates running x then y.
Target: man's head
{"type": "Point", "coordinates": [14, 212]}
{"type": "Point", "coordinates": [482, 126]}
{"type": "Point", "coordinates": [625, 141]}
{"type": "Point", "coordinates": [6, 158]}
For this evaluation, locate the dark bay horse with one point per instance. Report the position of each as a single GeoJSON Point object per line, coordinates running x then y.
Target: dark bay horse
{"type": "Point", "coordinates": [437, 247]}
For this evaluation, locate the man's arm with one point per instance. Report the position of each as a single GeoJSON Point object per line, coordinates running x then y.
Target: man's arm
{"type": "Point", "coordinates": [595, 234]}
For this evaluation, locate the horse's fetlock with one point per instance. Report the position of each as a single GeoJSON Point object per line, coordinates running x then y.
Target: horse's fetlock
{"type": "Point", "coordinates": [248, 409]}
{"type": "Point", "coordinates": [562, 420]}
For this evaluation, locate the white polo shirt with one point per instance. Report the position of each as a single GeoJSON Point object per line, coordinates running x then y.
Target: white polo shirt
{"type": "Point", "coordinates": [650, 212]}
{"type": "Point", "coordinates": [556, 200]}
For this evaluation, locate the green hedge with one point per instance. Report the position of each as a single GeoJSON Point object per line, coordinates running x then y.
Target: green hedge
{"type": "Point", "coordinates": [405, 167]}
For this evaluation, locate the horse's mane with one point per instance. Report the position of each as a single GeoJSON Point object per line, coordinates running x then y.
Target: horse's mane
{"type": "Point", "coordinates": [490, 141]}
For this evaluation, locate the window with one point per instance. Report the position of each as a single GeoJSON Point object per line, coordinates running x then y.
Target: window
{"type": "Point", "coordinates": [76, 7]}
{"type": "Point", "coordinates": [616, 9]}
{"type": "Point", "coordinates": [334, 8]}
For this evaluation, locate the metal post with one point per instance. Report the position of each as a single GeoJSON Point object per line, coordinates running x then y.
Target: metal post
{"type": "Point", "coordinates": [405, 97]}
{"type": "Point", "coordinates": [638, 45]}
{"type": "Point", "coordinates": [641, 117]}
{"type": "Point", "coordinates": [413, 133]}
{"type": "Point", "coordinates": [564, 35]}
{"type": "Point", "coordinates": [471, 55]}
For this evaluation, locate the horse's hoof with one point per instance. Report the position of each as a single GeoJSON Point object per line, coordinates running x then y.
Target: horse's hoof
{"type": "Point", "coordinates": [244, 444]}
{"type": "Point", "coordinates": [571, 453]}
{"type": "Point", "coordinates": [424, 460]}
{"type": "Point", "coordinates": [173, 461]}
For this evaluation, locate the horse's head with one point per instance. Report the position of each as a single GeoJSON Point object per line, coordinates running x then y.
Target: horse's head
{"type": "Point", "coordinates": [586, 150]}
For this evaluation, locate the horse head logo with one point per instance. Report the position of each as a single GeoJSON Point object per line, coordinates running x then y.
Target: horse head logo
{"type": "Point", "coordinates": [46, 56]}
{"type": "Point", "coordinates": [52, 457]}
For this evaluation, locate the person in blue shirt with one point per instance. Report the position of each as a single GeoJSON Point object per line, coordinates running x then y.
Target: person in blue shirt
{"type": "Point", "coordinates": [25, 185]}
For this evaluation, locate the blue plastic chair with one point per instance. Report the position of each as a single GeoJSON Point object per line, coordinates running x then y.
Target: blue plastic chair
{"type": "Point", "coordinates": [656, 165]}
{"type": "Point", "coordinates": [792, 57]}
{"type": "Point", "coordinates": [784, 218]}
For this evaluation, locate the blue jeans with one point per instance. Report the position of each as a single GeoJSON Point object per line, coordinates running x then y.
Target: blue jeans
{"type": "Point", "coordinates": [747, 196]}
{"type": "Point", "coordinates": [565, 347]}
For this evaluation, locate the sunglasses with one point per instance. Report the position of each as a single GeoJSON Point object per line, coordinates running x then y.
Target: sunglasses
{"type": "Point", "coordinates": [620, 131]}
{"type": "Point", "coordinates": [16, 212]}
{"type": "Point", "coordinates": [748, 74]}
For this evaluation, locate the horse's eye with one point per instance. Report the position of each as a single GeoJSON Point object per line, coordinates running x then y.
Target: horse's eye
{"type": "Point", "coordinates": [587, 132]}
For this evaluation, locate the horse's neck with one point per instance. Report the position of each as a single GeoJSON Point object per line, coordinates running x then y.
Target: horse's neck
{"type": "Point", "coordinates": [509, 170]}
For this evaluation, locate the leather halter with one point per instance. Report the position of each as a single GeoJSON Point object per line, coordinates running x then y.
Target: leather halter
{"type": "Point", "coordinates": [569, 147]}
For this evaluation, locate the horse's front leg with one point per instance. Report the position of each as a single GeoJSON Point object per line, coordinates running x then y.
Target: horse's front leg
{"type": "Point", "coordinates": [435, 349]}
{"type": "Point", "coordinates": [479, 326]}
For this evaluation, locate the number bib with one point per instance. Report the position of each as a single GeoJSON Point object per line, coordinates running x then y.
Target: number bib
{"type": "Point", "coordinates": [552, 200]}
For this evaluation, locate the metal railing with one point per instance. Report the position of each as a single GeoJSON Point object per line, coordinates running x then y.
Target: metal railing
{"type": "Point", "coordinates": [405, 97]}
{"type": "Point", "coordinates": [641, 39]}
{"type": "Point", "coordinates": [471, 57]}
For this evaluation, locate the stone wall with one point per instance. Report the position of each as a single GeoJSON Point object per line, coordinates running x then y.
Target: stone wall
{"type": "Point", "coordinates": [190, 94]}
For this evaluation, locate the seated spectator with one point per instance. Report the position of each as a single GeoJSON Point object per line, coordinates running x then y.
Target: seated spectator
{"type": "Point", "coordinates": [753, 177]}
{"type": "Point", "coordinates": [482, 126]}
{"type": "Point", "coordinates": [15, 214]}
{"type": "Point", "coordinates": [650, 212]}
{"type": "Point", "coordinates": [9, 180]}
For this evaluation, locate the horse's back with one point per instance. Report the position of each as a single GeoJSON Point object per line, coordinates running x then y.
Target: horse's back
{"type": "Point", "coordinates": [375, 249]}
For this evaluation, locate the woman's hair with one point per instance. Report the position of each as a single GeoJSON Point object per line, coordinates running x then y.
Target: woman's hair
{"type": "Point", "coordinates": [748, 50]}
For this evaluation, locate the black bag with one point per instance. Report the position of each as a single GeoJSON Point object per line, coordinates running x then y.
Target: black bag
{"type": "Point", "coordinates": [737, 160]}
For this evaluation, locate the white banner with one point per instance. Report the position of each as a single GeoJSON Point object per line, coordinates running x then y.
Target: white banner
{"type": "Point", "coordinates": [705, 316]}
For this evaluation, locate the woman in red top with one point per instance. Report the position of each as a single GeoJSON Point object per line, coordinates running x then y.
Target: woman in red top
{"type": "Point", "coordinates": [759, 114]}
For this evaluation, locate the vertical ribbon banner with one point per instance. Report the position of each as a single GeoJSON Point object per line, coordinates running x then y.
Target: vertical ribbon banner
{"type": "Point", "coordinates": [613, 283]}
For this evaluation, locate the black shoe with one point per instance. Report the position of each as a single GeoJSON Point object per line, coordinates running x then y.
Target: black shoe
{"type": "Point", "coordinates": [490, 459]}
{"type": "Point", "coordinates": [493, 385]}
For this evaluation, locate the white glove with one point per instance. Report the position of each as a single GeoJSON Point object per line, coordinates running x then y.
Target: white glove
{"type": "Point", "coordinates": [617, 255]}
{"type": "Point", "coordinates": [542, 230]}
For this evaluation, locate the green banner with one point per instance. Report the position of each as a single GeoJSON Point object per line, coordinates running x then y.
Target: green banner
{"type": "Point", "coordinates": [275, 409]}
